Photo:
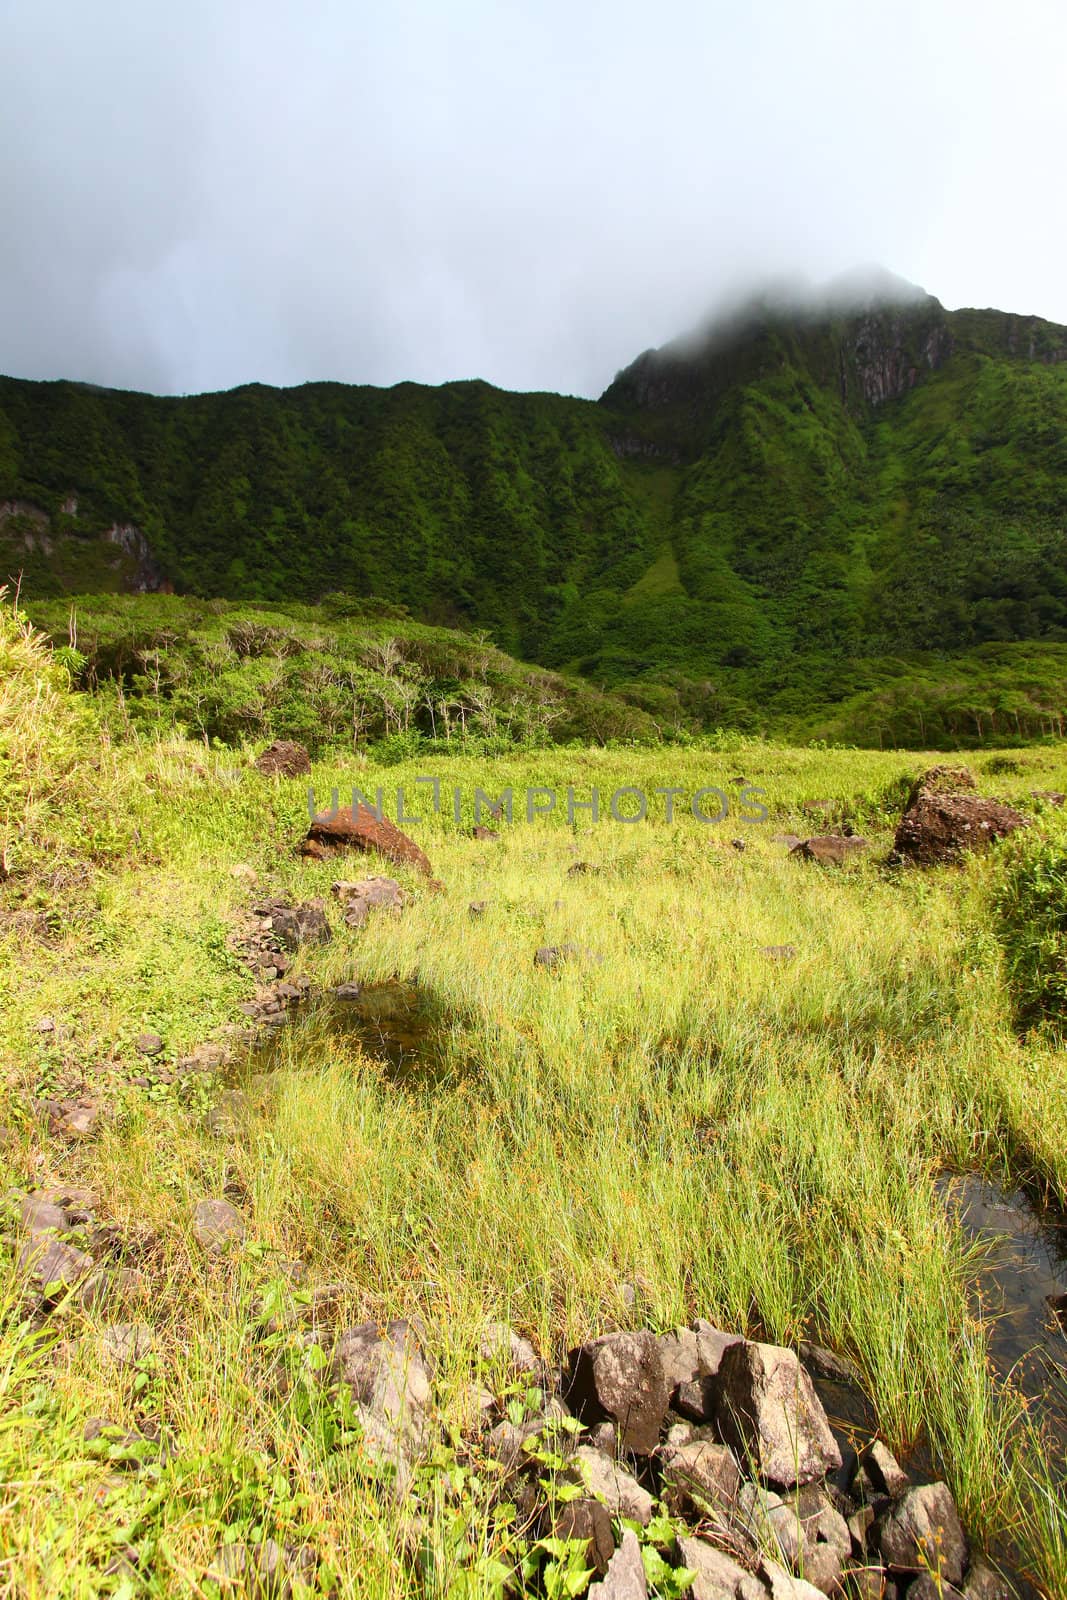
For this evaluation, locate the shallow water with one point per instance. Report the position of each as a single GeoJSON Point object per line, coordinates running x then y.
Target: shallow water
{"type": "Point", "coordinates": [1021, 1276]}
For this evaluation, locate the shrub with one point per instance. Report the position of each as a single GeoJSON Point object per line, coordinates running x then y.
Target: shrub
{"type": "Point", "coordinates": [1030, 916]}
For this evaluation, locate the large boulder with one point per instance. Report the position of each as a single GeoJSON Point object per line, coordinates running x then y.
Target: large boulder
{"type": "Point", "coordinates": [767, 1410]}
{"type": "Point", "coordinates": [940, 823]}
{"type": "Point", "coordinates": [619, 1378]}
{"type": "Point", "coordinates": [390, 1389]}
{"type": "Point", "coordinates": [283, 759]}
{"type": "Point", "coordinates": [922, 1532]}
{"type": "Point", "coordinates": [360, 829]}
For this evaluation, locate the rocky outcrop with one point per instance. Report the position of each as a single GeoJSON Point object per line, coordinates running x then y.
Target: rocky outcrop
{"type": "Point", "coordinates": [943, 821]}
{"type": "Point", "coordinates": [285, 758]}
{"type": "Point", "coordinates": [360, 828]}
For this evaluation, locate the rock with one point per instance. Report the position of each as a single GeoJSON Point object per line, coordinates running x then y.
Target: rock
{"type": "Point", "coordinates": [480, 832]}
{"type": "Point", "coordinates": [940, 824]}
{"type": "Point", "coordinates": [826, 1364]}
{"type": "Point", "coordinates": [738, 844]}
{"type": "Point", "coordinates": [606, 1480]}
{"type": "Point", "coordinates": [283, 759]}
{"type": "Point", "coordinates": [263, 1570]}
{"type": "Point", "coordinates": [766, 1408]}
{"type": "Point", "coordinates": [1051, 797]}
{"type": "Point", "coordinates": [814, 1537]}
{"type": "Point", "coordinates": [126, 1344]}
{"type": "Point", "coordinates": [359, 899]}
{"type": "Point", "coordinates": [619, 1378]}
{"type": "Point", "coordinates": [831, 849]}
{"type": "Point", "coordinates": [784, 1586]}
{"type": "Point", "coordinates": [581, 869]}
{"type": "Point", "coordinates": [556, 955]}
{"type": "Point", "coordinates": [625, 1576]}
{"type": "Point", "coordinates": [54, 1267]}
{"type": "Point", "coordinates": [37, 1216]}
{"type": "Point", "coordinates": [718, 1576]}
{"type": "Point", "coordinates": [589, 1521]}
{"type": "Point", "coordinates": [507, 1440]}
{"type": "Point", "coordinates": [361, 830]}
{"type": "Point", "coordinates": [699, 1475]}
{"type": "Point", "coordinates": [868, 1583]}
{"type": "Point", "coordinates": [477, 908]}
{"type": "Point", "coordinates": [789, 839]}
{"type": "Point", "coordinates": [922, 1532]}
{"type": "Point", "coordinates": [78, 1121]}
{"type": "Point", "coordinates": [148, 1044]}
{"type": "Point", "coordinates": [927, 1588]}
{"type": "Point", "coordinates": [941, 780]}
{"type": "Point", "coordinates": [778, 952]}
{"type": "Point", "coordinates": [500, 1344]}
{"type": "Point", "coordinates": [217, 1225]}
{"type": "Point", "coordinates": [243, 873]}
{"type": "Point", "coordinates": [390, 1388]}
{"type": "Point", "coordinates": [883, 1470]}
{"type": "Point", "coordinates": [297, 925]}
{"type": "Point", "coordinates": [46, 1025]}
{"type": "Point", "coordinates": [348, 991]}
{"type": "Point", "coordinates": [983, 1583]}
{"type": "Point", "coordinates": [859, 1527]}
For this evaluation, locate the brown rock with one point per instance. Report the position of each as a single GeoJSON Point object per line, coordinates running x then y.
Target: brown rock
{"type": "Point", "coordinates": [283, 759]}
{"type": "Point", "coordinates": [361, 830]}
{"type": "Point", "coordinates": [217, 1225]}
{"type": "Point", "coordinates": [590, 1521]}
{"type": "Point", "coordinates": [942, 780]}
{"type": "Point", "coordinates": [619, 1378]}
{"type": "Point", "coordinates": [767, 1410]}
{"type": "Point", "coordinates": [922, 1533]}
{"type": "Point", "coordinates": [700, 1476]}
{"type": "Point", "coordinates": [718, 1576]}
{"type": "Point", "coordinates": [1051, 797]}
{"type": "Point", "coordinates": [831, 849]}
{"type": "Point", "coordinates": [360, 898]}
{"type": "Point", "coordinates": [939, 827]}
{"type": "Point", "coordinates": [479, 831]}
{"type": "Point", "coordinates": [625, 1575]}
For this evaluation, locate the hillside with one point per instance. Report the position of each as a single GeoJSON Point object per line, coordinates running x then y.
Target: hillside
{"type": "Point", "coordinates": [774, 508]}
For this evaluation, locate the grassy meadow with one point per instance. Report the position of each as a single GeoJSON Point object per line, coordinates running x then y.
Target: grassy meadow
{"type": "Point", "coordinates": [683, 1128]}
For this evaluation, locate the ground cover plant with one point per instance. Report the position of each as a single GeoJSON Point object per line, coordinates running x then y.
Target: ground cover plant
{"type": "Point", "coordinates": [672, 1124]}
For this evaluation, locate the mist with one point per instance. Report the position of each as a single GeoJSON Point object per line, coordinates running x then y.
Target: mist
{"type": "Point", "coordinates": [199, 198]}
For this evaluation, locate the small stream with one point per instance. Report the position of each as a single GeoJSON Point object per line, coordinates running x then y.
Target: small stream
{"type": "Point", "coordinates": [1021, 1289]}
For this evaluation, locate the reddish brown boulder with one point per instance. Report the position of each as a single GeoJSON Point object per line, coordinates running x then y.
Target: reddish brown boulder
{"type": "Point", "coordinates": [360, 829]}
{"type": "Point", "coordinates": [832, 848]}
{"type": "Point", "coordinates": [940, 827]}
{"type": "Point", "coordinates": [283, 759]}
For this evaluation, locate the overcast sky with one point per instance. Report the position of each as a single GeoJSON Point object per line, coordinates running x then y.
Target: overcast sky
{"type": "Point", "coordinates": [201, 194]}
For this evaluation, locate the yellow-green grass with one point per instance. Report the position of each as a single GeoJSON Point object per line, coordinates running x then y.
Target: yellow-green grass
{"type": "Point", "coordinates": [736, 1138]}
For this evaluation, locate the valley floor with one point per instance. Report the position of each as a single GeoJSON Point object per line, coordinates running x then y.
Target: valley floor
{"type": "Point", "coordinates": [670, 1125]}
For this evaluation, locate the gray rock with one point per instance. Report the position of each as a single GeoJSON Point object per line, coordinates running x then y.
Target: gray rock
{"type": "Point", "coordinates": [507, 1440]}
{"type": "Point", "coordinates": [390, 1388]}
{"type": "Point", "coordinates": [817, 1542]}
{"type": "Point", "coordinates": [148, 1044]}
{"type": "Point", "coordinates": [37, 1215]}
{"type": "Point", "coordinates": [54, 1267]}
{"type": "Point", "coordinates": [718, 1576]}
{"type": "Point", "coordinates": [301, 924]}
{"type": "Point", "coordinates": [589, 1521]}
{"type": "Point", "coordinates": [700, 1475]}
{"type": "Point", "coordinates": [827, 1364]}
{"type": "Point", "coordinates": [883, 1470]}
{"type": "Point", "coordinates": [606, 1480]}
{"type": "Point", "coordinates": [501, 1345]}
{"type": "Point", "coordinates": [927, 1588]}
{"type": "Point", "coordinates": [922, 1532]}
{"type": "Point", "coordinates": [984, 1584]}
{"type": "Point", "coordinates": [360, 898]}
{"type": "Point", "coordinates": [625, 1577]}
{"type": "Point", "coordinates": [767, 1410]}
{"type": "Point", "coordinates": [217, 1225]}
{"type": "Point", "coordinates": [784, 1585]}
{"type": "Point", "coordinates": [619, 1378]}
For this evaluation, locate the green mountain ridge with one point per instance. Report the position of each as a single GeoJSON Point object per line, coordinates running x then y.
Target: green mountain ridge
{"type": "Point", "coordinates": [750, 513]}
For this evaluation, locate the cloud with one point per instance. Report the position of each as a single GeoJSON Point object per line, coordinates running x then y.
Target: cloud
{"type": "Point", "coordinates": [212, 195]}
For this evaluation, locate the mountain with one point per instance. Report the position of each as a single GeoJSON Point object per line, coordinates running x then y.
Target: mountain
{"type": "Point", "coordinates": [757, 511]}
